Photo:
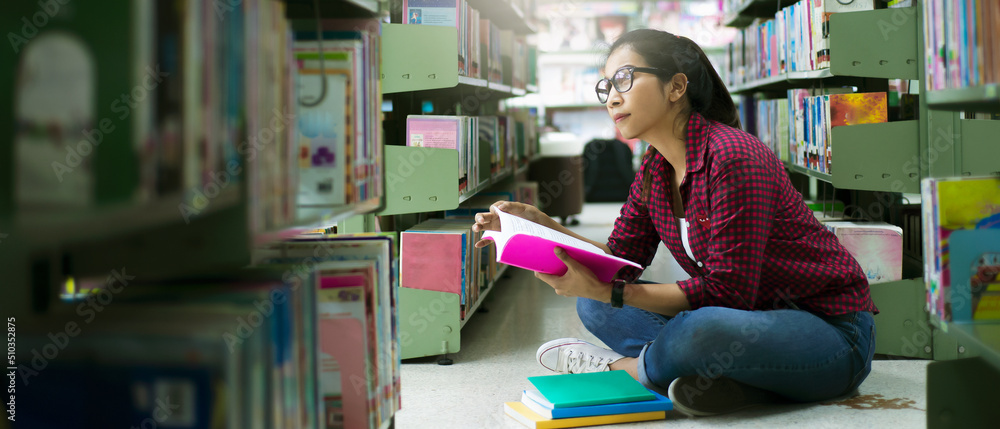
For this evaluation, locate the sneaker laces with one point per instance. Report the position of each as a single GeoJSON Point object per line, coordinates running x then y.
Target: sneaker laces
{"type": "Point", "coordinates": [579, 362]}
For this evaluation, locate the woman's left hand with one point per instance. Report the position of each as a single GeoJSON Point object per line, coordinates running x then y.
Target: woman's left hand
{"type": "Point", "coordinates": [578, 281]}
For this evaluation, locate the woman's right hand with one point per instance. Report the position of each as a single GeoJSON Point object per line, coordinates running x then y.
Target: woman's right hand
{"type": "Point", "coordinates": [491, 221]}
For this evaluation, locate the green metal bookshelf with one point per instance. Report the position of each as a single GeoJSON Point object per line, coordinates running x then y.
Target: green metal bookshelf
{"type": "Point", "coordinates": [422, 60]}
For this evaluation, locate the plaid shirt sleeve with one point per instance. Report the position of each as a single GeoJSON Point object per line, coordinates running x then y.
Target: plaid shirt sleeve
{"type": "Point", "coordinates": [742, 197]}
{"type": "Point", "coordinates": [634, 236]}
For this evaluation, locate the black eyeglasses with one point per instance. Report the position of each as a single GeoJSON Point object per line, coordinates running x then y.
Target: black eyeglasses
{"type": "Point", "coordinates": [622, 81]}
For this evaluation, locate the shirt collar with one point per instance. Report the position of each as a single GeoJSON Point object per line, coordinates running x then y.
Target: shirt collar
{"type": "Point", "coordinates": [695, 146]}
{"type": "Point", "coordinates": [696, 142]}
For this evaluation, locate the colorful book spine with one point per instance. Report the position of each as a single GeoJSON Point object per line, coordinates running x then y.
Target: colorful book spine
{"type": "Point", "coordinates": [961, 43]}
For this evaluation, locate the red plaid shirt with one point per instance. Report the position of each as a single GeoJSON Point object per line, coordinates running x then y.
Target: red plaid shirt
{"type": "Point", "coordinates": [758, 245]}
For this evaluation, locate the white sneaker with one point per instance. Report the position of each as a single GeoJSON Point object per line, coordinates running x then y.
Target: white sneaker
{"type": "Point", "coordinates": [575, 356]}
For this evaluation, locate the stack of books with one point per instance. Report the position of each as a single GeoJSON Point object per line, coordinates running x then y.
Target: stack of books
{"type": "Point", "coordinates": [576, 400]}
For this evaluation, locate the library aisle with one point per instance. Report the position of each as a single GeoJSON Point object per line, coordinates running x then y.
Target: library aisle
{"type": "Point", "coordinates": [498, 355]}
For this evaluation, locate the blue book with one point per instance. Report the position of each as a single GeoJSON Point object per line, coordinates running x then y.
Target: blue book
{"type": "Point", "coordinates": [534, 400]}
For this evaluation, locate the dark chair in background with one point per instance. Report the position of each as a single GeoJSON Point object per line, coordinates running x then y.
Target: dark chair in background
{"type": "Point", "coordinates": [607, 171]}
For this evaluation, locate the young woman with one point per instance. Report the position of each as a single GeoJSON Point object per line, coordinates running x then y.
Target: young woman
{"type": "Point", "coordinates": [775, 307]}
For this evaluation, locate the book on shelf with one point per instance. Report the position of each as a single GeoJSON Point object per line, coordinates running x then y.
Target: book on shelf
{"type": "Point", "coordinates": [524, 415]}
{"type": "Point", "coordinates": [531, 246]}
{"type": "Point", "coordinates": [200, 107]}
{"type": "Point", "coordinates": [237, 351]}
{"type": "Point", "coordinates": [446, 132]}
{"type": "Point", "coordinates": [527, 192]}
{"type": "Point", "coordinates": [173, 79]}
{"type": "Point", "coordinates": [951, 205]}
{"type": "Point", "coordinates": [489, 134]}
{"type": "Point", "coordinates": [352, 46]}
{"type": "Point", "coordinates": [772, 125]}
{"type": "Point", "coordinates": [857, 108]}
{"type": "Point", "coordinates": [446, 13]}
{"type": "Point", "coordinates": [510, 140]}
{"type": "Point", "coordinates": [812, 117]}
{"type": "Point", "coordinates": [975, 274]}
{"type": "Point", "coordinates": [355, 283]}
{"type": "Point", "coordinates": [961, 43]}
{"type": "Point", "coordinates": [438, 255]}
{"type": "Point", "coordinates": [535, 401]}
{"type": "Point", "coordinates": [877, 246]}
{"type": "Point", "coordinates": [486, 48]}
{"type": "Point", "coordinates": [795, 39]}
{"type": "Point", "coordinates": [326, 131]}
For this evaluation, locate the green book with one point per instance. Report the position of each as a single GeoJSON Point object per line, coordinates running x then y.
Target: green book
{"type": "Point", "coordinates": [595, 388]}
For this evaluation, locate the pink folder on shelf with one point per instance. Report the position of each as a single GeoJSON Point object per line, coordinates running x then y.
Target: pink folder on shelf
{"type": "Point", "coordinates": [432, 260]}
{"type": "Point", "coordinates": [531, 246]}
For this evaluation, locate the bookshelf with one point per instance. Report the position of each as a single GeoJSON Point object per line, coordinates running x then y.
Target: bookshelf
{"type": "Point", "coordinates": [420, 67]}
{"type": "Point", "coordinates": [955, 146]}
{"type": "Point", "coordinates": [188, 241]}
{"type": "Point", "coordinates": [863, 51]}
{"type": "Point", "coordinates": [740, 13]}
{"type": "Point", "coordinates": [984, 98]}
{"type": "Point", "coordinates": [886, 159]}
{"type": "Point", "coordinates": [872, 163]}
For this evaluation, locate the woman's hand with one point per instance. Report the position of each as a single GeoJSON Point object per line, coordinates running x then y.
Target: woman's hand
{"type": "Point", "coordinates": [491, 221]}
{"type": "Point", "coordinates": [578, 281]}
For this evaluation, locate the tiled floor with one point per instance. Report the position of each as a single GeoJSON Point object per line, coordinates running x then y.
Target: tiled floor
{"type": "Point", "coordinates": [498, 354]}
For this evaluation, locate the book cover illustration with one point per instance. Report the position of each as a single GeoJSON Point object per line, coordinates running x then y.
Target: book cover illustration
{"type": "Point", "coordinates": [954, 205]}
{"type": "Point", "coordinates": [975, 275]}
{"type": "Point", "coordinates": [858, 108]}
{"type": "Point", "coordinates": [324, 131]}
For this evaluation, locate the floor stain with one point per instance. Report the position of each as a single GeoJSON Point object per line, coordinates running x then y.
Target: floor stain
{"type": "Point", "coordinates": [875, 402]}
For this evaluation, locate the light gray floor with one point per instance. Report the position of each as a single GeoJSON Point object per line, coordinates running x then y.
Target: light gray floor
{"type": "Point", "coordinates": [498, 354]}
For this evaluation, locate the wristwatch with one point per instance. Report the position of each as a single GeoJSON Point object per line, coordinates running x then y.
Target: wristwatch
{"type": "Point", "coordinates": [617, 293]}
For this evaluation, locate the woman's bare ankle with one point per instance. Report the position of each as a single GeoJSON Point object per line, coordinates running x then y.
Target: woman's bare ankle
{"type": "Point", "coordinates": [628, 364]}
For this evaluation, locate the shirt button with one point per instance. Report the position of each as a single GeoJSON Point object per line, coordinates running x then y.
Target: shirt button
{"type": "Point", "coordinates": [700, 264]}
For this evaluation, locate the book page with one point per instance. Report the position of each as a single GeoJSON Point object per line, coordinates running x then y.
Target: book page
{"type": "Point", "coordinates": [510, 225]}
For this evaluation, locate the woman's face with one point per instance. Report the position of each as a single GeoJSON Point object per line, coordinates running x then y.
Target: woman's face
{"type": "Point", "coordinates": [642, 107]}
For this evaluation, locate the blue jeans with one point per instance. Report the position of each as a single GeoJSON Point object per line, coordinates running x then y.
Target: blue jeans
{"type": "Point", "coordinates": [794, 353]}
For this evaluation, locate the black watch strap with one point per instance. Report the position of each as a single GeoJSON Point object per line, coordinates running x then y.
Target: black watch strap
{"type": "Point", "coordinates": [617, 293]}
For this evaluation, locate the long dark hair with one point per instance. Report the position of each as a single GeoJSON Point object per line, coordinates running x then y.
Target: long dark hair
{"type": "Point", "coordinates": [674, 54]}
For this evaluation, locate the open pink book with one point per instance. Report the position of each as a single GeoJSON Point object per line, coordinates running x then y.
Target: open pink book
{"type": "Point", "coordinates": [525, 244]}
